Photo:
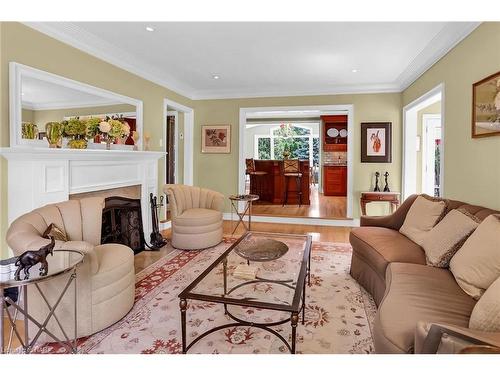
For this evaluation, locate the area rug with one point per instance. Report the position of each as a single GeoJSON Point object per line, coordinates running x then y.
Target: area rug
{"type": "Point", "coordinates": [339, 312]}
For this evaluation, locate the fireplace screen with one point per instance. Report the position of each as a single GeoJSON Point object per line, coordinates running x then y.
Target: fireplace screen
{"type": "Point", "coordinates": [122, 223]}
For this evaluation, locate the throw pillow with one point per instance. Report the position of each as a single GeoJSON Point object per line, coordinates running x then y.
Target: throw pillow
{"type": "Point", "coordinates": [477, 264]}
{"type": "Point", "coordinates": [486, 314]}
{"type": "Point", "coordinates": [54, 231]}
{"type": "Point", "coordinates": [422, 216]}
{"type": "Point", "coordinates": [444, 240]}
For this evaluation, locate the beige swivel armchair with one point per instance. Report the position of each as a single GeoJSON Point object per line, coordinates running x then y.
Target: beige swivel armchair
{"type": "Point", "coordinates": [105, 280]}
{"type": "Point", "coordinates": [196, 216]}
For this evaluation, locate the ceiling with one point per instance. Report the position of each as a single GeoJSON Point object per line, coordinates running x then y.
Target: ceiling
{"type": "Point", "coordinates": [256, 59]}
{"type": "Point", "coordinates": [42, 95]}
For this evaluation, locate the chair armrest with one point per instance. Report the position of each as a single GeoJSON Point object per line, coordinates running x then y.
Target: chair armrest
{"type": "Point", "coordinates": [86, 248]}
{"type": "Point", "coordinates": [393, 221]}
{"type": "Point", "coordinates": [431, 338]}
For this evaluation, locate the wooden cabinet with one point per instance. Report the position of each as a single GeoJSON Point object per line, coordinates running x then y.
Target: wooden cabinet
{"type": "Point", "coordinates": [335, 133]}
{"type": "Point", "coordinates": [335, 180]}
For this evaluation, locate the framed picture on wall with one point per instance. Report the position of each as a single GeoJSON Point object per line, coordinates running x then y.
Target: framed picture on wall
{"type": "Point", "coordinates": [486, 107]}
{"type": "Point", "coordinates": [376, 142]}
{"type": "Point", "coordinates": [216, 139]}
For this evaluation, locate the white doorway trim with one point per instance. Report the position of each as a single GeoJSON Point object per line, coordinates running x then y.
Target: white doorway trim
{"type": "Point", "coordinates": [187, 136]}
{"type": "Point", "coordinates": [408, 176]}
{"type": "Point", "coordinates": [321, 110]}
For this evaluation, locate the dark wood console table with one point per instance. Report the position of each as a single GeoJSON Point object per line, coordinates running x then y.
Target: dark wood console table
{"type": "Point", "coordinates": [379, 196]}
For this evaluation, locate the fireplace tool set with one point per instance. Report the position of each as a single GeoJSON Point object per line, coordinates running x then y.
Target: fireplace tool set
{"type": "Point", "coordinates": [157, 240]}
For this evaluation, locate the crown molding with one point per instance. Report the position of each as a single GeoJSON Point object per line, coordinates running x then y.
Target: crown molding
{"type": "Point", "coordinates": [75, 36]}
{"type": "Point", "coordinates": [65, 105]}
{"type": "Point", "coordinates": [69, 33]}
{"type": "Point", "coordinates": [444, 41]}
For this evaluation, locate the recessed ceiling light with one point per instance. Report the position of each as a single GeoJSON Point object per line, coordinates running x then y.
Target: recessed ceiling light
{"type": "Point", "coordinates": [354, 70]}
{"type": "Point", "coordinates": [149, 28]}
{"type": "Point", "coordinates": [215, 76]}
{"type": "Point", "coordinates": [22, 94]}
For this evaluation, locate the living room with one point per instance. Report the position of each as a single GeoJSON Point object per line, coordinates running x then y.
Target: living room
{"type": "Point", "coordinates": [179, 203]}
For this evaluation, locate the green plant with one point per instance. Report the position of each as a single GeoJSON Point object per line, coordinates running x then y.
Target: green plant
{"type": "Point", "coordinates": [74, 127]}
{"type": "Point", "coordinates": [93, 127]}
{"type": "Point", "coordinates": [116, 130]}
{"type": "Point", "coordinates": [29, 130]}
{"type": "Point", "coordinates": [54, 132]}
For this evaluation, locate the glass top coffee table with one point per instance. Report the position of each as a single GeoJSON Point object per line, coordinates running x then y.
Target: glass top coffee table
{"type": "Point", "coordinates": [266, 271]}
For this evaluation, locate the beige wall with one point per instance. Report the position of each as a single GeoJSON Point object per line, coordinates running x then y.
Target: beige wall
{"type": "Point", "coordinates": [472, 168]}
{"type": "Point", "coordinates": [220, 171]}
{"type": "Point", "coordinates": [21, 44]}
{"type": "Point", "coordinates": [431, 109]}
{"type": "Point", "coordinates": [41, 117]}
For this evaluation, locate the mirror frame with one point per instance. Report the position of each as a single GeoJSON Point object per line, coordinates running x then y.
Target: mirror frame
{"type": "Point", "coordinates": [17, 71]}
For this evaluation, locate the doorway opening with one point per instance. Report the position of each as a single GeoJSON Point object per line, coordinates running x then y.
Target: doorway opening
{"type": "Point", "coordinates": [272, 136]}
{"type": "Point", "coordinates": [423, 145]}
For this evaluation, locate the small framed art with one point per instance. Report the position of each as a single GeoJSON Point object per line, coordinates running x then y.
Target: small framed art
{"type": "Point", "coordinates": [486, 107]}
{"type": "Point", "coordinates": [376, 142]}
{"type": "Point", "coordinates": [216, 139]}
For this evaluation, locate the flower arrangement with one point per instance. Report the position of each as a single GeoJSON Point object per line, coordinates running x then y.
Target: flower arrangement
{"type": "Point", "coordinates": [75, 127]}
{"type": "Point", "coordinates": [117, 129]}
{"type": "Point", "coordinates": [54, 131]}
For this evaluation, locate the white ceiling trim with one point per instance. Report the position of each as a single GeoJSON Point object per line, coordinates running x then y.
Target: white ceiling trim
{"type": "Point", "coordinates": [73, 35]}
{"type": "Point", "coordinates": [65, 105]}
{"type": "Point", "coordinates": [452, 34]}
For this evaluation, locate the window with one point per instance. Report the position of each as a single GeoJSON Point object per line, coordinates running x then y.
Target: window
{"type": "Point", "coordinates": [297, 141]}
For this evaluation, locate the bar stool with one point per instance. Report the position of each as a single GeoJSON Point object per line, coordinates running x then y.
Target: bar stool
{"type": "Point", "coordinates": [291, 169]}
{"type": "Point", "coordinates": [258, 177]}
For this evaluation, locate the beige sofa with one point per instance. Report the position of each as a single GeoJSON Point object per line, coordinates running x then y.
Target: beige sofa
{"type": "Point", "coordinates": [196, 216]}
{"type": "Point", "coordinates": [105, 280]}
{"type": "Point", "coordinates": [410, 295]}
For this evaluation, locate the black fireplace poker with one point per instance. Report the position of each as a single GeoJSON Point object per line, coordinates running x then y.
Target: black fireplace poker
{"type": "Point", "coordinates": [157, 240]}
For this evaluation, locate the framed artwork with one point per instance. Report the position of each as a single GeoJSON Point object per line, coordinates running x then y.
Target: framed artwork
{"type": "Point", "coordinates": [216, 139]}
{"type": "Point", "coordinates": [486, 107]}
{"type": "Point", "coordinates": [376, 142]}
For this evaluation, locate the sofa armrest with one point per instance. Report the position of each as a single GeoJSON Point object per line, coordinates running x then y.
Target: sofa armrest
{"type": "Point", "coordinates": [217, 202]}
{"type": "Point", "coordinates": [86, 248]}
{"type": "Point", "coordinates": [431, 338]}
{"type": "Point", "coordinates": [393, 221]}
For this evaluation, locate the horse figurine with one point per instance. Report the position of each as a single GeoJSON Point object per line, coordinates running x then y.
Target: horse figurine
{"type": "Point", "coordinates": [31, 257]}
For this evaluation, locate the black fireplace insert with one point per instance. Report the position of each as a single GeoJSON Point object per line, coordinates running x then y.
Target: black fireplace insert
{"type": "Point", "coordinates": [122, 223]}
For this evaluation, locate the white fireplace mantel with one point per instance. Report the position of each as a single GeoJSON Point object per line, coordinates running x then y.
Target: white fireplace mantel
{"type": "Point", "coordinates": [39, 176]}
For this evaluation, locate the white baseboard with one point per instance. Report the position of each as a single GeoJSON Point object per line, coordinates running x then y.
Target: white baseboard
{"type": "Point", "coordinates": [299, 220]}
{"type": "Point", "coordinates": [165, 225]}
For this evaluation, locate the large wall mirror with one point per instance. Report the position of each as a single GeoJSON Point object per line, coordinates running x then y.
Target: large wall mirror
{"type": "Point", "coordinates": [47, 110]}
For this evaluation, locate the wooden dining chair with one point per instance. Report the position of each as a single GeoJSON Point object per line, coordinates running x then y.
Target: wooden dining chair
{"type": "Point", "coordinates": [291, 170]}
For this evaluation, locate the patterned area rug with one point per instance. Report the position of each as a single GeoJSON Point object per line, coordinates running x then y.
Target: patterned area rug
{"type": "Point", "coordinates": [339, 312]}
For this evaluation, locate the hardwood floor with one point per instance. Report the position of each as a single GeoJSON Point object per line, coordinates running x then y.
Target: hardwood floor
{"type": "Point", "coordinates": [324, 207]}
{"type": "Point", "coordinates": [318, 233]}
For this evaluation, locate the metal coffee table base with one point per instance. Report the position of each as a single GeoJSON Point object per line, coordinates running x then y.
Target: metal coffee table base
{"type": "Point", "coordinates": [26, 343]}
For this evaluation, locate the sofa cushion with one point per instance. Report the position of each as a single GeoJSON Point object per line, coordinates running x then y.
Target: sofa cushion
{"type": "Point", "coordinates": [444, 240]}
{"type": "Point", "coordinates": [379, 246]}
{"type": "Point", "coordinates": [198, 217]}
{"type": "Point", "coordinates": [422, 216]}
{"type": "Point", "coordinates": [417, 293]}
{"type": "Point", "coordinates": [477, 264]}
{"type": "Point", "coordinates": [486, 313]}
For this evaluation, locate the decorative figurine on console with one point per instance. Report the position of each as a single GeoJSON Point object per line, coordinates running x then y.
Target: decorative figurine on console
{"type": "Point", "coordinates": [377, 188]}
{"type": "Point", "coordinates": [386, 187]}
{"type": "Point", "coordinates": [31, 257]}
{"type": "Point", "coordinates": [157, 240]}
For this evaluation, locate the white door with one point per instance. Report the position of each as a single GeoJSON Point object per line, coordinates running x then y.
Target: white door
{"type": "Point", "coordinates": [431, 155]}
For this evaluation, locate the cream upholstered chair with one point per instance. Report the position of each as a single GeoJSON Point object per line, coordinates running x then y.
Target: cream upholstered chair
{"type": "Point", "coordinates": [105, 280]}
{"type": "Point", "coordinates": [196, 216]}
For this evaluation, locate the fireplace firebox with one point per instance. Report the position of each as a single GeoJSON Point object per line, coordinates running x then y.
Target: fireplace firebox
{"type": "Point", "coordinates": [122, 223]}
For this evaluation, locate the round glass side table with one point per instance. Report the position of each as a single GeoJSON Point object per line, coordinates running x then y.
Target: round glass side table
{"type": "Point", "coordinates": [60, 263]}
{"type": "Point", "coordinates": [247, 201]}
